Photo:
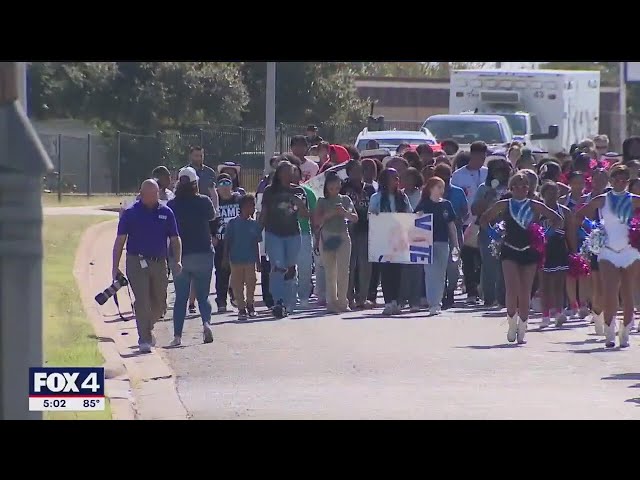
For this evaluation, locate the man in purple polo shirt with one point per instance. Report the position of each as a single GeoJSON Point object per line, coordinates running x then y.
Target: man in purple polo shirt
{"type": "Point", "coordinates": [145, 227]}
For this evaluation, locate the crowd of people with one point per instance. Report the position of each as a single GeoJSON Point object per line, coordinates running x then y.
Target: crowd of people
{"type": "Point", "coordinates": [521, 229]}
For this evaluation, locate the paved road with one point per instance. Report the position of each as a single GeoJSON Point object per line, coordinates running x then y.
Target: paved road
{"type": "Point", "coordinates": [362, 365]}
{"type": "Point", "coordinates": [78, 211]}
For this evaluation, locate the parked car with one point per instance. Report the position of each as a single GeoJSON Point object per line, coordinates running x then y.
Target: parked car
{"type": "Point", "coordinates": [391, 139]}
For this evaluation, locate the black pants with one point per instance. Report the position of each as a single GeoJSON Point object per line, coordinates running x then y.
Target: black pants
{"type": "Point", "coordinates": [264, 282]}
{"type": "Point", "coordinates": [391, 274]}
{"type": "Point", "coordinates": [374, 283]}
{"type": "Point", "coordinates": [222, 277]}
{"type": "Point", "coordinates": [471, 269]}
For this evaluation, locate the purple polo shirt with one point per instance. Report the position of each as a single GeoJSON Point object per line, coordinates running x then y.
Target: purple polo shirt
{"type": "Point", "coordinates": [147, 229]}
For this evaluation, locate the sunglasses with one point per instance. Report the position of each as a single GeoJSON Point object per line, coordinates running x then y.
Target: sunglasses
{"type": "Point", "coordinates": [225, 183]}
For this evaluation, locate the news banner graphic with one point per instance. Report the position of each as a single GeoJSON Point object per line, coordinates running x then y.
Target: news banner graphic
{"type": "Point", "coordinates": [66, 389]}
{"type": "Point", "coordinates": [405, 238]}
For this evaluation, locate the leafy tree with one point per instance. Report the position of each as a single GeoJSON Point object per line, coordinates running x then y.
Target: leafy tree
{"type": "Point", "coordinates": [139, 96]}
{"type": "Point", "coordinates": [305, 92]}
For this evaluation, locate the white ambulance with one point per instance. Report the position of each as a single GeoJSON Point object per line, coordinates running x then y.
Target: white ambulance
{"type": "Point", "coordinates": [533, 102]}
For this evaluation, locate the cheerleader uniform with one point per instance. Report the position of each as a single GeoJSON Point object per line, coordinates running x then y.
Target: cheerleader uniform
{"type": "Point", "coordinates": [516, 245]}
{"type": "Point", "coordinates": [616, 212]}
{"type": "Point", "coordinates": [556, 258]}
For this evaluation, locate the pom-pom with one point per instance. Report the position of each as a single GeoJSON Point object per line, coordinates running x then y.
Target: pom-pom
{"type": "Point", "coordinates": [537, 239]}
{"type": "Point", "coordinates": [634, 232]}
{"type": "Point", "coordinates": [578, 266]}
{"type": "Point", "coordinates": [594, 242]}
{"type": "Point", "coordinates": [496, 234]}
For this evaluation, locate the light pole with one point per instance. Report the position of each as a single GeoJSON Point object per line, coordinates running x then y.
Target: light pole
{"type": "Point", "coordinates": [270, 120]}
{"type": "Point", "coordinates": [22, 85]}
{"type": "Point", "coordinates": [622, 101]}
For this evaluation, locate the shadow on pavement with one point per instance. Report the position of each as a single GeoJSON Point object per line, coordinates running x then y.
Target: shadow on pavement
{"type": "Point", "coordinates": [577, 343]}
{"type": "Point", "coordinates": [633, 400]}
{"type": "Point", "coordinates": [623, 376]}
{"type": "Point", "coordinates": [600, 349]}
{"type": "Point", "coordinates": [491, 347]}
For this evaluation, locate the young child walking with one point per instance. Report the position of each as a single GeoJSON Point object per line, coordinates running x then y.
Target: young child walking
{"type": "Point", "coordinates": [242, 256]}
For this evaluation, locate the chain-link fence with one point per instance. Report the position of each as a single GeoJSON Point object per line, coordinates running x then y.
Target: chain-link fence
{"type": "Point", "coordinates": [96, 164]}
{"type": "Point", "coordinates": [118, 164]}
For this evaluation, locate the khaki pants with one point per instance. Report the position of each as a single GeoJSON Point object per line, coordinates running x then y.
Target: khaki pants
{"type": "Point", "coordinates": [243, 274]}
{"type": "Point", "coordinates": [336, 272]}
{"type": "Point", "coordinates": [149, 286]}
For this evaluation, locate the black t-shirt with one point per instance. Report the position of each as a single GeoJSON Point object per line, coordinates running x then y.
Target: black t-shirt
{"type": "Point", "coordinates": [443, 213]}
{"type": "Point", "coordinates": [360, 199]}
{"type": "Point", "coordinates": [193, 215]}
{"type": "Point", "coordinates": [227, 210]}
{"type": "Point", "coordinates": [281, 215]}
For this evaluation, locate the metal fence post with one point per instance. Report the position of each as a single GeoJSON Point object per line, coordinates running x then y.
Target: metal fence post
{"type": "Point", "coordinates": [201, 138]}
{"type": "Point", "coordinates": [118, 162]}
{"type": "Point", "coordinates": [89, 165]}
{"type": "Point", "coordinates": [281, 137]}
{"type": "Point", "coordinates": [241, 138]}
{"type": "Point", "coordinates": [59, 168]}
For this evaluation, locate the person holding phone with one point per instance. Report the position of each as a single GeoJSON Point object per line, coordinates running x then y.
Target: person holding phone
{"type": "Point", "coordinates": [283, 203]}
{"type": "Point", "coordinates": [333, 212]}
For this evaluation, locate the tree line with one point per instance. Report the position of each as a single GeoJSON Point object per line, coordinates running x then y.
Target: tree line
{"type": "Point", "coordinates": [144, 97]}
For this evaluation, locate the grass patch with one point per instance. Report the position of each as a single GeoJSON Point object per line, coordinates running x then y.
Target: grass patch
{"type": "Point", "coordinates": [77, 200]}
{"type": "Point", "coordinates": [67, 330]}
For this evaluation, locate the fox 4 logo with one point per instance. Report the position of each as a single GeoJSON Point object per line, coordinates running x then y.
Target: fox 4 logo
{"type": "Point", "coordinates": [67, 381]}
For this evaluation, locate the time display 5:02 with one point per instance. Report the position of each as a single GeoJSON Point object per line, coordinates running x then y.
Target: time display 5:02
{"type": "Point", "coordinates": [55, 403]}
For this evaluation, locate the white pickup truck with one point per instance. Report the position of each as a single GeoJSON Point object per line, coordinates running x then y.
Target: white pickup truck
{"type": "Point", "coordinates": [465, 129]}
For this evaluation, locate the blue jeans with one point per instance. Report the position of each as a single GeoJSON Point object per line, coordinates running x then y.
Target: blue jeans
{"type": "Point", "coordinates": [491, 277]}
{"type": "Point", "coordinates": [196, 268]}
{"type": "Point", "coordinates": [434, 274]}
{"type": "Point", "coordinates": [305, 263]}
{"type": "Point", "coordinates": [283, 253]}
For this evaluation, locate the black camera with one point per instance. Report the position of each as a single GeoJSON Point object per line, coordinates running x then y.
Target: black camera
{"type": "Point", "coordinates": [111, 290]}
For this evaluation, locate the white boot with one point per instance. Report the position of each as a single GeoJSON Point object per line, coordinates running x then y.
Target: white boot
{"type": "Point", "coordinates": [513, 328]}
{"type": "Point", "coordinates": [623, 335]}
{"type": "Point", "coordinates": [522, 330]}
{"type": "Point", "coordinates": [598, 321]}
{"type": "Point", "coordinates": [610, 334]}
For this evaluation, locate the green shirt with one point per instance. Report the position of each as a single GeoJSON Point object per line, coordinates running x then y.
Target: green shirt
{"type": "Point", "coordinates": [305, 225]}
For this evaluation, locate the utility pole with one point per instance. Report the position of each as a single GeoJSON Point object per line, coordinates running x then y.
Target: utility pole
{"type": "Point", "coordinates": [622, 101]}
{"type": "Point", "coordinates": [23, 161]}
{"type": "Point", "coordinates": [270, 120]}
{"type": "Point", "coordinates": [22, 86]}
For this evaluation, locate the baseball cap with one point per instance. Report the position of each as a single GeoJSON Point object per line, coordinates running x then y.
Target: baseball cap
{"type": "Point", "coordinates": [188, 172]}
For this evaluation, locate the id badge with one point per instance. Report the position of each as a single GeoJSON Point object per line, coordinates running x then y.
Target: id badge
{"type": "Point", "coordinates": [143, 263]}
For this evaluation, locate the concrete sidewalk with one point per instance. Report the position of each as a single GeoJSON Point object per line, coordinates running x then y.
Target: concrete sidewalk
{"type": "Point", "coordinates": [139, 386]}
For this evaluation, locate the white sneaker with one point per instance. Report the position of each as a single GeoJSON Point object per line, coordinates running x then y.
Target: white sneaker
{"type": "Point", "coordinates": [610, 334]}
{"type": "Point", "coordinates": [434, 311]}
{"type": "Point", "coordinates": [207, 334]}
{"type": "Point", "coordinates": [145, 348]}
{"type": "Point", "coordinates": [583, 312]}
{"type": "Point", "coordinates": [388, 309]}
{"type": "Point", "coordinates": [546, 321]}
{"type": "Point", "coordinates": [560, 319]}
{"type": "Point", "coordinates": [598, 322]}
{"type": "Point", "coordinates": [395, 308]}
{"type": "Point", "coordinates": [623, 335]}
{"type": "Point", "coordinates": [176, 342]}
{"type": "Point", "coordinates": [513, 328]}
{"type": "Point", "coordinates": [522, 331]}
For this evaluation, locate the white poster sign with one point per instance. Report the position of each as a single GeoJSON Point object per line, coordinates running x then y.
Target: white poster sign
{"type": "Point", "coordinates": [405, 238]}
{"type": "Point", "coordinates": [317, 183]}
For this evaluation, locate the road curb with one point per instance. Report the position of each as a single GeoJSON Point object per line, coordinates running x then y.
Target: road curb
{"type": "Point", "coordinates": [138, 386]}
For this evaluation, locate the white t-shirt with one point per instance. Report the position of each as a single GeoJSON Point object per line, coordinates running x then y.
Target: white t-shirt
{"type": "Point", "coordinates": [469, 181]}
{"type": "Point", "coordinates": [309, 170]}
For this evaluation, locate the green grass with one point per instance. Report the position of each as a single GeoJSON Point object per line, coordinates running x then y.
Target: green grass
{"type": "Point", "coordinates": [67, 330]}
{"type": "Point", "coordinates": [77, 200]}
